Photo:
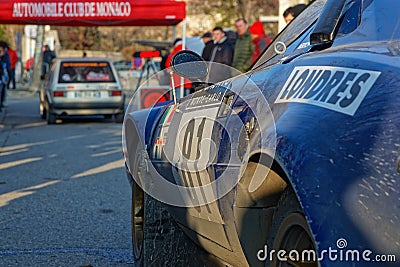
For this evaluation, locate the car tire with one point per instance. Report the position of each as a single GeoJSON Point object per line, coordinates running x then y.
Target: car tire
{"type": "Point", "coordinates": [157, 240]}
{"type": "Point", "coordinates": [119, 117]}
{"type": "Point", "coordinates": [137, 230]}
{"type": "Point", "coordinates": [42, 108]}
{"type": "Point", "coordinates": [43, 112]}
{"type": "Point", "coordinates": [51, 117]}
{"type": "Point", "coordinates": [290, 231]}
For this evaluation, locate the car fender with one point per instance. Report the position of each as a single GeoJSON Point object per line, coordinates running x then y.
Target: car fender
{"type": "Point", "coordinates": [138, 129]}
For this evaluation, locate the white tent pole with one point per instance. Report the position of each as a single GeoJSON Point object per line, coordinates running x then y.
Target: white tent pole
{"type": "Point", "coordinates": [183, 47]}
{"type": "Point", "coordinates": [184, 34]}
{"type": "Point", "coordinates": [174, 33]}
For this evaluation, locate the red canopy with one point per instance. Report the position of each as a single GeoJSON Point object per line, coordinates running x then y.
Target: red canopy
{"type": "Point", "coordinates": [93, 12]}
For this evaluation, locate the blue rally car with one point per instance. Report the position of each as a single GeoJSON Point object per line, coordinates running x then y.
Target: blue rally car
{"type": "Point", "coordinates": [294, 163]}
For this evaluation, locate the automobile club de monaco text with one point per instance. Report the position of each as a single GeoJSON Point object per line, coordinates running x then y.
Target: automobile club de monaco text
{"type": "Point", "coordinates": [71, 9]}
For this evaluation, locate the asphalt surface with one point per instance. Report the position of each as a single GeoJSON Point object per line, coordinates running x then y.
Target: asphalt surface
{"type": "Point", "coordinates": [64, 197]}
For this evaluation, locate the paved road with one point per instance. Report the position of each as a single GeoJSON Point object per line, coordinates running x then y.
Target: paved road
{"type": "Point", "coordinates": [64, 197]}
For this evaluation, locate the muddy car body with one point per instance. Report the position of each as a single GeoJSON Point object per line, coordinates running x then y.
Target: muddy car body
{"type": "Point", "coordinates": [330, 181]}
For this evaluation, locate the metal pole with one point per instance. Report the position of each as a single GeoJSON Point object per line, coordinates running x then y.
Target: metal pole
{"type": "Point", "coordinates": [171, 74]}
{"type": "Point", "coordinates": [174, 33]}
{"type": "Point", "coordinates": [37, 69]}
{"type": "Point", "coordinates": [183, 48]}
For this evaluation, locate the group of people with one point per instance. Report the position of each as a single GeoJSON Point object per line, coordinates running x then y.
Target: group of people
{"type": "Point", "coordinates": [249, 42]}
{"type": "Point", "coordinates": [8, 61]}
{"type": "Point", "coordinates": [238, 52]}
{"type": "Point", "coordinates": [240, 55]}
{"type": "Point", "coordinates": [48, 56]}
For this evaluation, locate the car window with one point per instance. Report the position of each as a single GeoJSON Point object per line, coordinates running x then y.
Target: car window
{"type": "Point", "coordinates": [351, 18]}
{"type": "Point", "coordinates": [122, 65]}
{"type": "Point", "coordinates": [300, 25]}
{"type": "Point", "coordinates": [85, 72]}
{"type": "Point", "coordinates": [396, 32]}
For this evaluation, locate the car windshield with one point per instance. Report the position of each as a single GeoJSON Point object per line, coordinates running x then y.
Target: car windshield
{"type": "Point", "coordinates": [85, 72]}
{"type": "Point", "coordinates": [293, 30]}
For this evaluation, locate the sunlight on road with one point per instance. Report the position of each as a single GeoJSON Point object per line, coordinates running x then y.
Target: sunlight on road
{"type": "Point", "coordinates": [106, 167]}
{"type": "Point", "coordinates": [112, 151]}
{"type": "Point", "coordinates": [7, 197]}
{"type": "Point", "coordinates": [13, 152]}
{"type": "Point", "coordinates": [21, 146]}
{"type": "Point", "coordinates": [28, 125]}
{"type": "Point", "coordinates": [17, 162]}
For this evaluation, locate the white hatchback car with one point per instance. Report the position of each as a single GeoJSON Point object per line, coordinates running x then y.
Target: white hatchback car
{"type": "Point", "coordinates": [82, 86]}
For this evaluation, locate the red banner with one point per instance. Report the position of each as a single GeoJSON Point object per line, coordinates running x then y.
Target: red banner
{"type": "Point", "coordinates": [93, 13]}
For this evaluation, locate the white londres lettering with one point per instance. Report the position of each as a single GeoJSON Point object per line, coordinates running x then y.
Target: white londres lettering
{"type": "Point", "coordinates": [334, 88]}
{"type": "Point", "coordinates": [71, 9]}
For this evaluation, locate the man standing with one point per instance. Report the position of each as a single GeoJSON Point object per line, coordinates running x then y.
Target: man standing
{"type": "Point", "coordinates": [292, 12]}
{"type": "Point", "coordinates": [222, 53]}
{"type": "Point", "coordinates": [244, 47]}
{"type": "Point", "coordinates": [48, 56]}
{"type": "Point", "coordinates": [208, 46]}
{"type": "Point", "coordinates": [13, 61]}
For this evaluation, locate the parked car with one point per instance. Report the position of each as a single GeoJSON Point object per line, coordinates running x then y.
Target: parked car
{"type": "Point", "coordinates": [295, 163]}
{"type": "Point", "coordinates": [82, 86]}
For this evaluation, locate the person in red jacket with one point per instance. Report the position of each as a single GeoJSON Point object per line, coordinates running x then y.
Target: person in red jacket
{"type": "Point", "coordinates": [260, 39]}
{"type": "Point", "coordinates": [29, 64]}
{"type": "Point", "coordinates": [177, 79]}
{"type": "Point", "coordinates": [13, 61]}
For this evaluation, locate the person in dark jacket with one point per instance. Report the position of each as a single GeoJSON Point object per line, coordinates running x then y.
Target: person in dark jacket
{"type": "Point", "coordinates": [222, 53]}
{"type": "Point", "coordinates": [208, 46]}
{"type": "Point", "coordinates": [48, 56]}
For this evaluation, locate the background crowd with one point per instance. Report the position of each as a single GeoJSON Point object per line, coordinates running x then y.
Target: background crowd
{"type": "Point", "coordinates": [8, 60]}
{"type": "Point", "coordinates": [230, 53]}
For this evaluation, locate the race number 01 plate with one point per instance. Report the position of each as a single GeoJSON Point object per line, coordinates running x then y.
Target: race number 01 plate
{"type": "Point", "coordinates": [194, 155]}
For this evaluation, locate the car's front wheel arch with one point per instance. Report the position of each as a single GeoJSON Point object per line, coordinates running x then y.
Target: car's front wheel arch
{"type": "Point", "coordinates": [274, 181]}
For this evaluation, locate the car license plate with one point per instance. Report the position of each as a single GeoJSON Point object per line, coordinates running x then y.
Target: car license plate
{"type": "Point", "coordinates": [87, 94]}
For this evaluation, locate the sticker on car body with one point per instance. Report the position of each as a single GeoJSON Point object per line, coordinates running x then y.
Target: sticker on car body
{"type": "Point", "coordinates": [334, 88]}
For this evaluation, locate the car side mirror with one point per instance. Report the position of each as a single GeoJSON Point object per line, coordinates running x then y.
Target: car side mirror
{"type": "Point", "coordinates": [197, 69]}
